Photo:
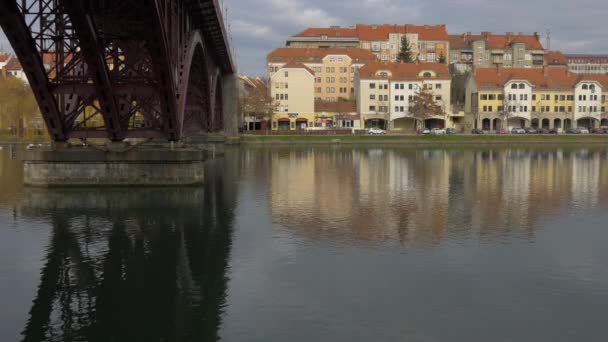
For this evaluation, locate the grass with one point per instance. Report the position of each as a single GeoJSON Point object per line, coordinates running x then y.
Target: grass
{"type": "Point", "coordinates": [426, 139]}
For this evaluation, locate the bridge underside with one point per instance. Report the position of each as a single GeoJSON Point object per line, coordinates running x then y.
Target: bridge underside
{"type": "Point", "coordinates": [121, 69]}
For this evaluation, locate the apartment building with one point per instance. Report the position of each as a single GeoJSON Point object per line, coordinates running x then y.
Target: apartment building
{"type": "Point", "coordinates": [588, 64]}
{"type": "Point", "coordinates": [490, 50]}
{"type": "Point", "coordinates": [385, 91]}
{"type": "Point", "coordinates": [292, 88]}
{"type": "Point", "coordinates": [334, 68]}
{"type": "Point", "coordinates": [428, 43]}
{"type": "Point", "coordinates": [551, 97]}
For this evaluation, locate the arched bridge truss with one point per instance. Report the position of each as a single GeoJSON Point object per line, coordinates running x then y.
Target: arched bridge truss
{"type": "Point", "coordinates": [121, 69]}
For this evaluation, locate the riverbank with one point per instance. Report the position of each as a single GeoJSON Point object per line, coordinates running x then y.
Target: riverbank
{"type": "Point", "coordinates": [425, 139]}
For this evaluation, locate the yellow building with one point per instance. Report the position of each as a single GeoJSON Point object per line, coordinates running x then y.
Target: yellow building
{"type": "Point", "coordinates": [334, 69]}
{"type": "Point", "coordinates": [550, 98]}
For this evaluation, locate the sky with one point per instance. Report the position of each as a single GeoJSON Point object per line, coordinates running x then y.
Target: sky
{"type": "Point", "coordinates": [259, 26]}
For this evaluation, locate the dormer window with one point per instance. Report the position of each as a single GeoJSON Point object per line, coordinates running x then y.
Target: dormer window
{"type": "Point", "coordinates": [427, 74]}
{"type": "Point", "coordinates": [522, 86]}
{"type": "Point", "coordinates": [324, 37]}
{"type": "Point", "coordinates": [585, 87]}
{"type": "Point", "coordinates": [514, 86]}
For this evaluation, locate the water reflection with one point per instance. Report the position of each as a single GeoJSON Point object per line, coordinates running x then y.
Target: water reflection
{"type": "Point", "coordinates": [409, 195]}
{"type": "Point", "coordinates": [132, 264]}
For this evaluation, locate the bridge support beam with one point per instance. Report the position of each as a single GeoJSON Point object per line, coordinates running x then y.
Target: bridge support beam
{"type": "Point", "coordinates": [145, 166]}
{"type": "Point", "coordinates": [232, 119]}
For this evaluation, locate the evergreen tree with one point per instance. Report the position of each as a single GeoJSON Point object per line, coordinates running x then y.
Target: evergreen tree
{"type": "Point", "coordinates": [442, 58]}
{"type": "Point", "coordinates": [405, 54]}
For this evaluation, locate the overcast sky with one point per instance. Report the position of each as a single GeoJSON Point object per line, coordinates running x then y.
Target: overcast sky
{"type": "Point", "coordinates": [259, 26]}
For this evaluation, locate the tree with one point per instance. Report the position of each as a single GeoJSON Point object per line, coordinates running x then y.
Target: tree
{"type": "Point", "coordinates": [18, 107]}
{"type": "Point", "coordinates": [423, 106]}
{"type": "Point", "coordinates": [257, 102]}
{"type": "Point", "coordinates": [442, 58]}
{"type": "Point", "coordinates": [405, 54]}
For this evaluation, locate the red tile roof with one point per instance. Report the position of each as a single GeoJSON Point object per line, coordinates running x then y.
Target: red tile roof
{"type": "Point", "coordinates": [602, 79]}
{"type": "Point", "coordinates": [4, 57]}
{"type": "Point", "coordinates": [496, 41]}
{"type": "Point", "coordinates": [311, 55]}
{"type": "Point", "coordinates": [549, 78]}
{"type": "Point", "coordinates": [378, 32]}
{"type": "Point", "coordinates": [555, 58]}
{"type": "Point", "coordinates": [350, 32]}
{"type": "Point", "coordinates": [404, 71]}
{"type": "Point", "coordinates": [13, 64]}
{"type": "Point", "coordinates": [298, 65]}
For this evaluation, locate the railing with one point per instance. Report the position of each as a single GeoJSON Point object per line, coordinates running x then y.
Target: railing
{"type": "Point", "coordinates": [335, 131]}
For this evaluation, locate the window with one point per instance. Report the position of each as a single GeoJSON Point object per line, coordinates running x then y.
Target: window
{"type": "Point", "coordinates": [556, 98]}
{"type": "Point", "coordinates": [490, 109]}
{"type": "Point", "coordinates": [501, 97]}
{"type": "Point", "coordinates": [372, 86]}
{"type": "Point", "coordinates": [396, 86]}
{"type": "Point", "coordinates": [485, 108]}
{"type": "Point", "coordinates": [402, 109]}
{"type": "Point", "coordinates": [484, 96]}
{"type": "Point", "coordinates": [427, 75]}
{"type": "Point", "coordinates": [514, 86]}
{"type": "Point", "coordinates": [585, 87]}
{"type": "Point", "coordinates": [500, 108]}
{"type": "Point", "coordinates": [533, 108]}
{"type": "Point", "coordinates": [396, 97]}
{"type": "Point", "coordinates": [562, 97]}
{"type": "Point", "coordinates": [372, 108]}
{"type": "Point", "coordinates": [318, 90]}
{"type": "Point", "coordinates": [372, 96]}
{"type": "Point", "coordinates": [492, 97]}
{"type": "Point", "coordinates": [318, 80]}
{"type": "Point", "coordinates": [533, 98]}
{"type": "Point", "coordinates": [522, 86]}
{"type": "Point", "coordinates": [396, 108]}
{"type": "Point", "coordinates": [438, 98]}
{"type": "Point", "coordinates": [286, 73]}
{"type": "Point", "coordinates": [438, 86]}
{"type": "Point", "coordinates": [401, 86]}
{"type": "Point", "coordinates": [410, 86]}
{"type": "Point", "coordinates": [401, 98]}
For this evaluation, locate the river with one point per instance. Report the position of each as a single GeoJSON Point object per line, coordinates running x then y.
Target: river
{"type": "Point", "coordinates": [324, 243]}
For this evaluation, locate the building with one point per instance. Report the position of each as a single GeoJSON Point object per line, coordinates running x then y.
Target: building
{"type": "Point", "coordinates": [552, 98]}
{"type": "Point", "coordinates": [588, 64]}
{"type": "Point", "coordinates": [428, 43]}
{"type": "Point", "coordinates": [334, 68]}
{"type": "Point", "coordinates": [292, 88]}
{"type": "Point", "coordinates": [13, 68]}
{"type": "Point", "coordinates": [385, 91]}
{"type": "Point", "coordinates": [488, 50]}
{"type": "Point", "coordinates": [254, 89]}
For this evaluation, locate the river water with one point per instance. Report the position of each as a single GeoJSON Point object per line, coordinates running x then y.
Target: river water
{"type": "Point", "coordinates": [317, 244]}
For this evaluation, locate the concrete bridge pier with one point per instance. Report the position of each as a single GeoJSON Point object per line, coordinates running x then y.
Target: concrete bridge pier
{"type": "Point", "coordinates": [140, 166]}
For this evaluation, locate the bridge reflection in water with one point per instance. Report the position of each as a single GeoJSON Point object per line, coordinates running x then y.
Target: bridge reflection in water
{"type": "Point", "coordinates": [132, 264]}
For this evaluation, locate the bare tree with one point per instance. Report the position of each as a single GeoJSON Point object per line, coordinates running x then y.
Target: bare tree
{"type": "Point", "coordinates": [424, 106]}
{"type": "Point", "coordinates": [258, 102]}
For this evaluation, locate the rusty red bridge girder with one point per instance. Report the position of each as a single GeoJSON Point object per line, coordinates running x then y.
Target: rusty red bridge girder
{"type": "Point", "coordinates": [122, 69]}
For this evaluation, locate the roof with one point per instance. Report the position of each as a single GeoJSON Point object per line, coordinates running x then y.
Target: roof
{"type": "Point", "coordinates": [298, 65]}
{"type": "Point", "coordinates": [333, 32]}
{"type": "Point", "coordinates": [4, 57]}
{"type": "Point", "coordinates": [13, 64]}
{"type": "Point", "coordinates": [316, 55]}
{"type": "Point", "coordinates": [378, 32]}
{"type": "Point", "coordinates": [496, 41]}
{"type": "Point", "coordinates": [546, 78]}
{"type": "Point", "coordinates": [602, 79]}
{"type": "Point", "coordinates": [404, 71]}
{"type": "Point", "coordinates": [588, 59]}
{"type": "Point", "coordinates": [252, 82]}
{"type": "Point", "coordinates": [555, 58]}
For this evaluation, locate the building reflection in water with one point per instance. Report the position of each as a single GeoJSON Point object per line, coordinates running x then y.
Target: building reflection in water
{"type": "Point", "coordinates": [409, 195]}
{"type": "Point", "coordinates": [132, 264]}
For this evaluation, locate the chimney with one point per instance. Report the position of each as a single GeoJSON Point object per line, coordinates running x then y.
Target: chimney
{"type": "Point", "coordinates": [536, 35]}
{"type": "Point", "coordinates": [485, 34]}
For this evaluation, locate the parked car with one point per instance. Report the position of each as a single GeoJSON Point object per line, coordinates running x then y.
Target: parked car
{"type": "Point", "coordinates": [598, 131]}
{"type": "Point", "coordinates": [376, 131]}
{"type": "Point", "coordinates": [518, 130]}
{"type": "Point", "coordinates": [531, 130]}
{"type": "Point", "coordinates": [438, 131]}
{"type": "Point", "coordinates": [582, 130]}
{"type": "Point", "coordinates": [502, 131]}
{"type": "Point", "coordinates": [571, 131]}
{"type": "Point", "coordinates": [554, 131]}
{"type": "Point", "coordinates": [451, 131]}
{"type": "Point", "coordinates": [477, 131]}
{"type": "Point", "coordinates": [543, 131]}
{"type": "Point", "coordinates": [424, 131]}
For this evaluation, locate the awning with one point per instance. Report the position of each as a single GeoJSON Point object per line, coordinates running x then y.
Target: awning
{"type": "Point", "coordinates": [283, 120]}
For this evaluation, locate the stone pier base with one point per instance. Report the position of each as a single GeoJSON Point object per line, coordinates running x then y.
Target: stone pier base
{"type": "Point", "coordinates": [91, 167]}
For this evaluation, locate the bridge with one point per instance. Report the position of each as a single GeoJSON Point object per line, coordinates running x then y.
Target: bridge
{"type": "Point", "coordinates": [121, 69]}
